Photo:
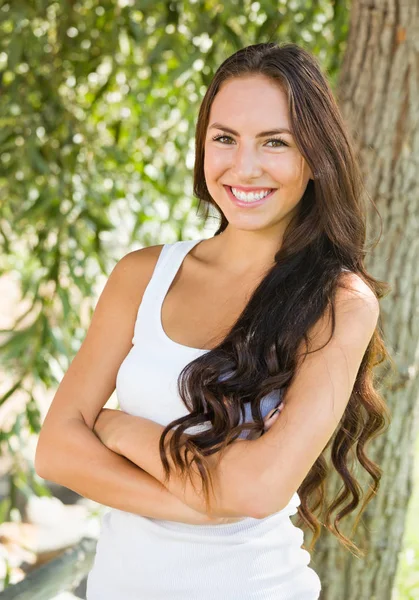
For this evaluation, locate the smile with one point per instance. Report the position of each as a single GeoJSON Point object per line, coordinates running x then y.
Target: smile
{"type": "Point", "coordinates": [248, 200]}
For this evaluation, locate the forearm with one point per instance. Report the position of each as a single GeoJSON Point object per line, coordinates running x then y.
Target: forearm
{"type": "Point", "coordinates": [78, 460]}
{"type": "Point", "coordinates": [138, 440]}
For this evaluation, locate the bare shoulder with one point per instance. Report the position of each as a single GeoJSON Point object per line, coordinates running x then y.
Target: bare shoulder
{"type": "Point", "coordinates": [134, 270]}
{"type": "Point", "coordinates": [148, 253]}
{"type": "Point", "coordinates": [354, 295]}
{"type": "Point", "coordinates": [356, 311]}
{"type": "Point", "coordinates": [138, 260]}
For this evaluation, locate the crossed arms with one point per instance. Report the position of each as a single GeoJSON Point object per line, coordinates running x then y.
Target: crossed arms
{"type": "Point", "coordinates": [258, 477]}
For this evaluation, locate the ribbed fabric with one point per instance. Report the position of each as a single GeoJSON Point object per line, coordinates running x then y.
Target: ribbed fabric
{"type": "Point", "coordinates": [139, 558]}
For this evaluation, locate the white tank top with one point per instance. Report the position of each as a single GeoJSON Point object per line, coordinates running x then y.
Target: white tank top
{"type": "Point", "coordinates": [139, 558]}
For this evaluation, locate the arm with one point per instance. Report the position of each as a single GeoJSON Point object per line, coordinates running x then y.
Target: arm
{"type": "Point", "coordinates": [67, 451]}
{"type": "Point", "coordinates": [314, 405]}
{"type": "Point", "coordinates": [315, 401]}
{"type": "Point", "coordinates": [137, 439]}
{"type": "Point", "coordinates": [79, 461]}
{"type": "Point", "coordinates": [121, 432]}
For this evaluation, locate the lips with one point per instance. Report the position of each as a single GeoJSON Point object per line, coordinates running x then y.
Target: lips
{"type": "Point", "coordinates": [242, 203]}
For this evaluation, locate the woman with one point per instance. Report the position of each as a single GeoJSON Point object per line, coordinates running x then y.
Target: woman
{"type": "Point", "coordinates": [276, 311]}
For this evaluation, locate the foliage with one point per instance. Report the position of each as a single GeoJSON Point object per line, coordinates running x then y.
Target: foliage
{"type": "Point", "coordinates": [99, 101]}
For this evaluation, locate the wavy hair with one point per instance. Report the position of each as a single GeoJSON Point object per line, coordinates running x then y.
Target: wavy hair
{"type": "Point", "coordinates": [259, 353]}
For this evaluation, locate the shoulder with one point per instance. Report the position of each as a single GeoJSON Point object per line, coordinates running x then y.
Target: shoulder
{"type": "Point", "coordinates": [139, 262]}
{"type": "Point", "coordinates": [355, 299]}
{"type": "Point", "coordinates": [140, 258]}
{"type": "Point", "coordinates": [355, 311]}
{"type": "Point", "coordinates": [133, 271]}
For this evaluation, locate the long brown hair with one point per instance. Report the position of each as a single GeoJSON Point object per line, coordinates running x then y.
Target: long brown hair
{"type": "Point", "coordinates": [259, 353]}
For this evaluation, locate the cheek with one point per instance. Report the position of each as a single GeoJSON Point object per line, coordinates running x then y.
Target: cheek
{"type": "Point", "coordinates": [214, 162]}
{"type": "Point", "coordinates": [289, 170]}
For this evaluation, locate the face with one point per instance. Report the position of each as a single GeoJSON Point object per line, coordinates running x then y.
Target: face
{"type": "Point", "coordinates": [250, 162]}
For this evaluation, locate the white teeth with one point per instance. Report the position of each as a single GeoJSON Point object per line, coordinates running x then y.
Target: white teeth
{"type": "Point", "coordinates": [249, 197]}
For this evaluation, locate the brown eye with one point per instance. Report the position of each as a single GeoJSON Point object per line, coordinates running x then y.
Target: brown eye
{"type": "Point", "coordinates": [281, 142]}
{"type": "Point", "coordinates": [219, 137]}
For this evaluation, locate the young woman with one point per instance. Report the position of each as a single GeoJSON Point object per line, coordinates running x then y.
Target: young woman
{"type": "Point", "coordinates": [204, 339]}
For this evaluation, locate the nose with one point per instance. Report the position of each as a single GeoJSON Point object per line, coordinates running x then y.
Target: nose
{"type": "Point", "coordinates": [246, 164]}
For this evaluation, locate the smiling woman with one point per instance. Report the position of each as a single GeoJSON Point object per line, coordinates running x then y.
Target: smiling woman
{"type": "Point", "coordinates": [254, 156]}
{"type": "Point", "coordinates": [276, 310]}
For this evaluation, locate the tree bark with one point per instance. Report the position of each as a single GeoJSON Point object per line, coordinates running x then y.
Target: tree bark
{"type": "Point", "coordinates": [378, 95]}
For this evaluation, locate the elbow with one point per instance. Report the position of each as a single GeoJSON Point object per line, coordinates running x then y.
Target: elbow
{"type": "Point", "coordinates": [55, 447]}
{"type": "Point", "coordinates": [264, 503]}
{"type": "Point", "coordinates": [253, 503]}
{"type": "Point", "coordinates": [259, 510]}
{"type": "Point", "coordinates": [243, 497]}
{"type": "Point", "coordinates": [245, 489]}
{"type": "Point", "coordinates": [39, 469]}
{"type": "Point", "coordinates": [39, 461]}
{"type": "Point", "coordinates": [45, 455]}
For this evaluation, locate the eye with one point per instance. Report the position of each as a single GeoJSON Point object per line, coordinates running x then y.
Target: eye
{"type": "Point", "coordinates": [218, 138]}
{"type": "Point", "coordinates": [280, 141]}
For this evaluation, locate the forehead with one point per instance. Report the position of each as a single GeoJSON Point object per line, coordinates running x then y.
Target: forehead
{"type": "Point", "coordinates": [256, 100]}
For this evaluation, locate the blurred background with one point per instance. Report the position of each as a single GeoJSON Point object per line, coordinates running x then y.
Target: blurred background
{"type": "Point", "coordinates": [98, 107]}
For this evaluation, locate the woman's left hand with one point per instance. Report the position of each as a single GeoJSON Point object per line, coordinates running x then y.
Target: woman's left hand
{"type": "Point", "coordinates": [107, 427]}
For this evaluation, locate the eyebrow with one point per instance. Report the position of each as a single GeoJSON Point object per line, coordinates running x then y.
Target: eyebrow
{"type": "Point", "coordinates": [261, 134]}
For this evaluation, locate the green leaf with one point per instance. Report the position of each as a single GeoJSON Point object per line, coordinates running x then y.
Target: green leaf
{"type": "Point", "coordinates": [11, 391]}
{"type": "Point", "coordinates": [34, 416]}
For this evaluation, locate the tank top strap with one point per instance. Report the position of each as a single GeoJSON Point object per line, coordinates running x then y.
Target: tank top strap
{"type": "Point", "coordinates": [167, 265]}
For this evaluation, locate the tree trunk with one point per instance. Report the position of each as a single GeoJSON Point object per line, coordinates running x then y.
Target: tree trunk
{"type": "Point", "coordinates": [378, 94]}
